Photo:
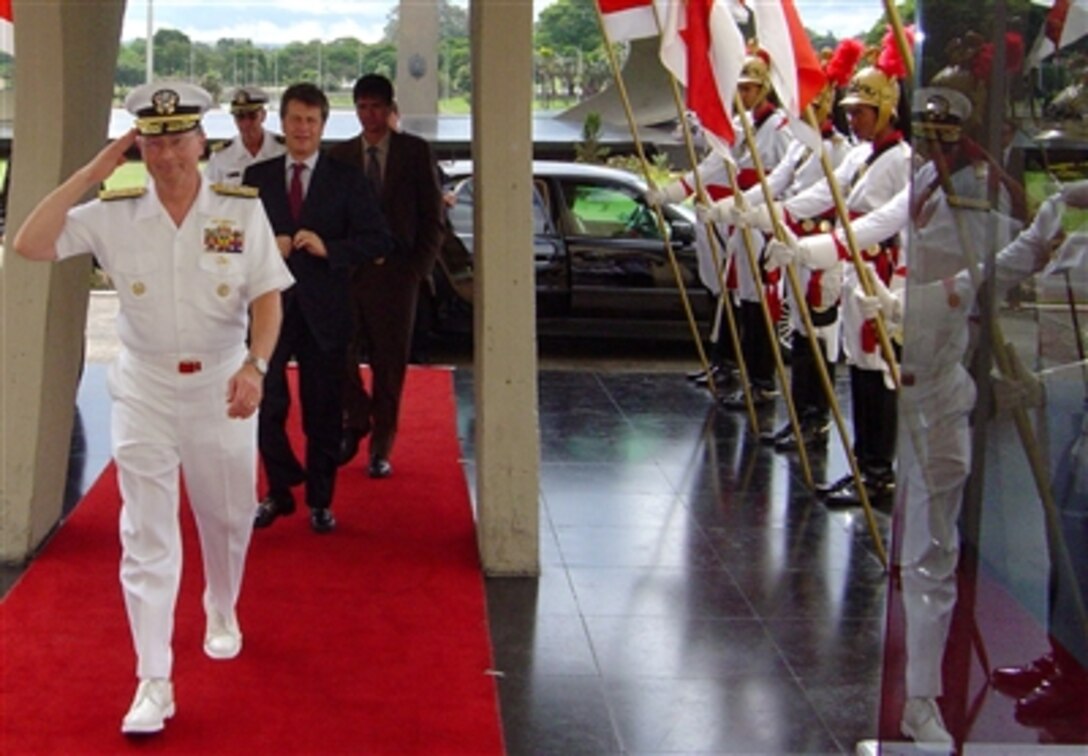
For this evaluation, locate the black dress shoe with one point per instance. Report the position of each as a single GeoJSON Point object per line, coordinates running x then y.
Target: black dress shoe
{"type": "Point", "coordinates": [824, 489]}
{"type": "Point", "coordinates": [877, 491]}
{"type": "Point", "coordinates": [776, 437]}
{"type": "Point", "coordinates": [761, 397]}
{"type": "Point", "coordinates": [321, 520]}
{"type": "Point", "coordinates": [812, 435]}
{"type": "Point", "coordinates": [379, 467]}
{"type": "Point", "coordinates": [1021, 680]}
{"type": "Point", "coordinates": [270, 508]}
{"type": "Point", "coordinates": [698, 375]}
{"type": "Point", "coordinates": [723, 376]}
{"type": "Point", "coordinates": [349, 444]}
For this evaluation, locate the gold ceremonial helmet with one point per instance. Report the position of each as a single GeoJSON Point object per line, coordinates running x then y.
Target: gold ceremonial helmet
{"type": "Point", "coordinates": [756, 70]}
{"type": "Point", "coordinates": [838, 65]}
{"type": "Point", "coordinates": [871, 86]}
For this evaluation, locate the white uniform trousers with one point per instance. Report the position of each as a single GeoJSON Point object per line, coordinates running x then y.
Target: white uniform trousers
{"type": "Point", "coordinates": [164, 420]}
{"type": "Point", "coordinates": [934, 461]}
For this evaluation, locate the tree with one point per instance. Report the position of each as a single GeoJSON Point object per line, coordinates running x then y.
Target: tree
{"type": "Point", "coordinates": [452, 22]}
{"type": "Point", "coordinates": [569, 25]}
{"type": "Point", "coordinates": [381, 58]}
{"type": "Point", "coordinates": [172, 53]}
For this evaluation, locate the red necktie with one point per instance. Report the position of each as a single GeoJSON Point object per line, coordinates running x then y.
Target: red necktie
{"type": "Point", "coordinates": [294, 193]}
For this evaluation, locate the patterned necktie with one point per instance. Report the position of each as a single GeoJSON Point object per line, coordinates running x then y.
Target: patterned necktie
{"type": "Point", "coordinates": [373, 168]}
{"type": "Point", "coordinates": [294, 193]}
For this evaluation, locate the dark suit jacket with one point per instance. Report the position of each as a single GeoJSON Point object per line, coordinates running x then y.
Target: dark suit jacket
{"type": "Point", "coordinates": [340, 207]}
{"type": "Point", "coordinates": [411, 197]}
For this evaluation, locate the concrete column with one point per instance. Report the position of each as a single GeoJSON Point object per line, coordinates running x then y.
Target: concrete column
{"type": "Point", "coordinates": [417, 58]}
{"type": "Point", "coordinates": [63, 90]}
{"type": "Point", "coordinates": [507, 427]}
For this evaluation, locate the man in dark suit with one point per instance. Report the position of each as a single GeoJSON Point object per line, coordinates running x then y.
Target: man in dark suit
{"type": "Point", "coordinates": [385, 289]}
{"type": "Point", "coordinates": [327, 222]}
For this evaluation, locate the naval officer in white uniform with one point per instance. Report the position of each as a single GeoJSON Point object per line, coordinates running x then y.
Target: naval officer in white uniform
{"type": "Point", "coordinates": [196, 271]}
{"type": "Point", "coordinates": [229, 160]}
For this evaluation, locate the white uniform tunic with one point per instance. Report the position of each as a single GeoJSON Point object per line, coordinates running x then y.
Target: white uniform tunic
{"type": "Point", "coordinates": [799, 169]}
{"type": "Point", "coordinates": [872, 183]}
{"type": "Point", "coordinates": [772, 140]}
{"type": "Point", "coordinates": [226, 165]}
{"type": "Point", "coordinates": [184, 293]}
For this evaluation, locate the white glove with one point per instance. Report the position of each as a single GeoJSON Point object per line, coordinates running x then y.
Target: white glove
{"type": "Point", "coordinates": [780, 254]}
{"type": "Point", "coordinates": [868, 306]}
{"type": "Point", "coordinates": [1075, 194]}
{"type": "Point", "coordinates": [722, 210]}
{"type": "Point", "coordinates": [1048, 220]}
{"type": "Point", "coordinates": [1020, 389]}
{"type": "Point", "coordinates": [882, 301]}
{"type": "Point", "coordinates": [818, 252]}
{"type": "Point", "coordinates": [703, 213]}
{"type": "Point", "coordinates": [654, 197]}
{"type": "Point", "coordinates": [674, 192]}
{"type": "Point", "coordinates": [755, 216]}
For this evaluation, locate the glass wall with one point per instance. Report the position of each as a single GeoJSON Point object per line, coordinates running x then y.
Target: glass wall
{"type": "Point", "coordinates": [987, 638]}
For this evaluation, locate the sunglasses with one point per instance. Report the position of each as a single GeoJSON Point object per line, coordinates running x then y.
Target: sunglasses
{"type": "Point", "coordinates": [247, 116]}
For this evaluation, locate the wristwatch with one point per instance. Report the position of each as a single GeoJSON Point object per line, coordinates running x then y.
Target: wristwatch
{"type": "Point", "coordinates": [258, 362]}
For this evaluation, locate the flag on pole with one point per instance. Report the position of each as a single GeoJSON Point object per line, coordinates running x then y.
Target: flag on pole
{"type": "Point", "coordinates": [701, 45]}
{"type": "Point", "coordinates": [628, 19]}
{"type": "Point", "coordinates": [7, 30]}
{"type": "Point", "coordinates": [796, 72]}
{"type": "Point", "coordinates": [1066, 22]}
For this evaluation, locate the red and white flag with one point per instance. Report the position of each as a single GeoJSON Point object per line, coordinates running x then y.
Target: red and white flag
{"type": "Point", "coordinates": [703, 48]}
{"type": "Point", "coordinates": [628, 19]}
{"type": "Point", "coordinates": [1066, 22]}
{"type": "Point", "coordinates": [7, 29]}
{"type": "Point", "coordinates": [796, 72]}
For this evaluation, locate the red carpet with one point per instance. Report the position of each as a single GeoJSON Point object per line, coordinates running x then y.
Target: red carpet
{"type": "Point", "coordinates": [371, 640]}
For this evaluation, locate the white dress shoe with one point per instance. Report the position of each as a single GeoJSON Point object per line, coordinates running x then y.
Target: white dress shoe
{"type": "Point", "coordinates": [152, 706]}
{"type": "Point", "coordinates": [222, 638]}
{"type": "Point", "coordinates": [922, 722]}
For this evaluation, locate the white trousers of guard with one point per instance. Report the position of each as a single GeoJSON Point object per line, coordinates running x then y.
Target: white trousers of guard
{"type": "Point", "coordinates": [934, 461]}
{"type": "Point", "coordinates": [165, 422]}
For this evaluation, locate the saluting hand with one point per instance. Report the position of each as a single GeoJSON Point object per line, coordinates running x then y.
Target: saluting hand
{"type": "Point", "coordinates": [110, 158]}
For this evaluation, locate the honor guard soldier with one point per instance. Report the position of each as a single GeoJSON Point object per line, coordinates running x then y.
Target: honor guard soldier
{"type": "Point", "coordinates": [772, 139]}
{"type": "Point", "coordinates": [870, 175]}
{"type": "Point", "coordinates": [197, 273]}
{"type": "Point", "coordinates": [799, 169]}
{"type": "Point", "coordinates": [254, 143]}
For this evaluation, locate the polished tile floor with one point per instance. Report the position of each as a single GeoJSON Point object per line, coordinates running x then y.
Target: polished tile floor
{"type": "Point", "coordinates": [693, 597]}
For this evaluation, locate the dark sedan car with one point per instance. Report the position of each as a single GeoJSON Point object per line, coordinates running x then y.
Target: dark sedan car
{"type": "Point", "coordinates": [601, 264]}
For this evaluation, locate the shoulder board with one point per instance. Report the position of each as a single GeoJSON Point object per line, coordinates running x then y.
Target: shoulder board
{"type": "Point", "coordinates": [280, 138]}
{"type": "Point", "coordinates": [128, 192]}
{"type": "Point", "coordinates": [221, 145]}
{"type": "Point", "coordinates": [230, 190]}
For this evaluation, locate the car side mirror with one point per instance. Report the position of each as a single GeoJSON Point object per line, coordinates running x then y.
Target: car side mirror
{"type": "Point", "coordinates": [682, 232]}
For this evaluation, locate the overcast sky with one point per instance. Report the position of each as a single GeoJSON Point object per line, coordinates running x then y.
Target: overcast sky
{"type": "Point", "coordinates": [275, 22]}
